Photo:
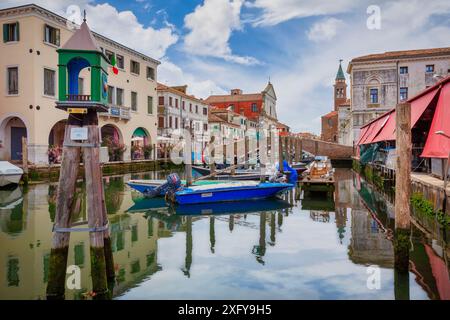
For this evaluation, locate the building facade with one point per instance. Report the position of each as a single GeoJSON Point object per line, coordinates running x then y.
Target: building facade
{"type": "Point", "coordinates": [29, 61]}
{"type": "Point", "coordinates": [380, 81]}
{"type": "Point", "coordinates": [257, 107]}
{"type": "Point", "coordinates": [177, 109]}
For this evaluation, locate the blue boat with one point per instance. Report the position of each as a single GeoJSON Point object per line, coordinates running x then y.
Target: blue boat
{"type": "Point", "coordinates": [144, 186]}
{"type": "Point", "coordinates": [234, 191]}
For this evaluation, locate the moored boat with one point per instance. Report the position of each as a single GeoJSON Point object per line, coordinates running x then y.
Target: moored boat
{"type": "Point", "coordinates": [145, 186]}
{"type": "Point", "coordinates": [235, 191]}
{"type": "Point", "coordinates": [9, 174]}
{"type": "Point", "coordinates": [319, 172]}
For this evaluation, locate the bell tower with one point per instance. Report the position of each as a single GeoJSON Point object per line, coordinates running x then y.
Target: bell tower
{"type": "Point", "coordinates": [340, 88]}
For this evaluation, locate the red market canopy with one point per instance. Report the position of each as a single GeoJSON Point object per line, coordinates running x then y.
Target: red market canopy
{"type": "Point", "coordinates": [438, 145]}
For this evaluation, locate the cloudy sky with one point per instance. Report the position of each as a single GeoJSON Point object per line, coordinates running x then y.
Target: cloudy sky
{"type": "Point", "coordinates": [216, 45]}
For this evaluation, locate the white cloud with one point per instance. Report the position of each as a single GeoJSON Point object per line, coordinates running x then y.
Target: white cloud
{"type": "Point", "coordinates": [277, 11]}
{"type": "Point", "coordinates": [210, 27]}
{"type": "Point", "coordinates": [325, 29]}
{"type": "Point", "coordinates": [124, 28]}
{"type": "Point", "coordinates": [171, 74]}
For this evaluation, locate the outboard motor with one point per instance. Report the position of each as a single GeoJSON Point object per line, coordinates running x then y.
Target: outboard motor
{"type": "Point", "coordinates": [172, 185]}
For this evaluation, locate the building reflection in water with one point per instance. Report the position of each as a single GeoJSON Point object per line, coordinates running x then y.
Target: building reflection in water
{"type": "Point", "coordinates": [363, 220]}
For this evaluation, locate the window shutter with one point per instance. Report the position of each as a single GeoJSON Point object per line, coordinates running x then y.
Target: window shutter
{"type": "Point", "coordinates": [58, 37]}
{"type": "Point", "coordinates": [17, 32]}
{"type": "Point", "coordinates": [5, 33]}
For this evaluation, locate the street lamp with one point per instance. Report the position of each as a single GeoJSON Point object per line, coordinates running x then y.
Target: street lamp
{"type": "Point", "coordinates": [442, 133]}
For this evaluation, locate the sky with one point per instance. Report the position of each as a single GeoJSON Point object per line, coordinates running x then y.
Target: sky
{"type": "Point", "coordinates": [217, 45]}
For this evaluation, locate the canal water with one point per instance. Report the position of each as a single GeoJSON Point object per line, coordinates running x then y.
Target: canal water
{"type": "Point", "coordinates": [308, 246]}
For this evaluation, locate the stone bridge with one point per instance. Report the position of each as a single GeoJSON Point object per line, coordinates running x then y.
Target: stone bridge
{"type": "Point", "coordinates": [332, 150]}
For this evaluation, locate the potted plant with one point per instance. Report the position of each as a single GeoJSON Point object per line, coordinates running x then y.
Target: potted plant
{"type": "Point", "coordinates": [148, 151]}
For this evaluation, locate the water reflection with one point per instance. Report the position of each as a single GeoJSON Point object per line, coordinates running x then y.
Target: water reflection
{"type": "Point", "coordinates": [309, 246]}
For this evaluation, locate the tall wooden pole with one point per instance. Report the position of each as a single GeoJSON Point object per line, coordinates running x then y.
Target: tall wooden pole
{"type": "Point", "coordinates": [188, 159]}
{"type": "Point", "coordinates": [95, 206]}
{"type": "Point", "coordinates": [64, 200]}
{"type": "Point", "coordinates": [280, 153]}
{"type": "Point", "coordinates": [246, 151]}
{"type": "Point", "coordinates": [403, 187]}
{"type": "Point", "coordinates": [25, 160]}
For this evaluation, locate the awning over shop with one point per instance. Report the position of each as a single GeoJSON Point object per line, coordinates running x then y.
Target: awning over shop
{"type": "Point", "coordinates": [383, 128]}
{"type": "Point", "coordinates": [438, 145]}
{"type": "Point", "coordinates": [139, 132]}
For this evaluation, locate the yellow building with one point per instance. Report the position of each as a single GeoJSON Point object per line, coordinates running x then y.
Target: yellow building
{"type": "Point", "coordinates": [29, 86]}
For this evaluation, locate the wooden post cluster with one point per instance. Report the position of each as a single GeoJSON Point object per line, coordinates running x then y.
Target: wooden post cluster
{"type": "Point", "coordinates": [403, 187]}
{"type": "Point", "coordinates": [102, 265]}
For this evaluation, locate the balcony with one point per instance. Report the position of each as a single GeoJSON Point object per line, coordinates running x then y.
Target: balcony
{"type": "Point", "coordinates": [78, 97]}
{"type": "Point", "coordinates": [122, 113]}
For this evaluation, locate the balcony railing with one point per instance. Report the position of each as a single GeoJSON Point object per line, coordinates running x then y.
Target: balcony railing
{"type": "Point", "coordinates": [78, 97]}
{"type": "Point", "coordinates": [117, 112]}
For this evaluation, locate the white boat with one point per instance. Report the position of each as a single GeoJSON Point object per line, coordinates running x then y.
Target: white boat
{"type": "Point", "coordinates": [9, 174]}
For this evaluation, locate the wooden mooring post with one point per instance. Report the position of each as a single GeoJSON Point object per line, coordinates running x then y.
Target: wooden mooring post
{"type": "Point", "coordinates": [403, 188]}
{"type": "Point", "coordinates": [280, 154]}
{"type": "Point", "coordinates": [25, 160]}
{"type": "Point", "coordinates": [102, 265]}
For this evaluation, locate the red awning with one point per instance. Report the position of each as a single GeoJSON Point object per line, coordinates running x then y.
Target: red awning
{"type": "Point", "coordinates": [437, 145]}
{"type": "Point", "coordinates": [383, 128]}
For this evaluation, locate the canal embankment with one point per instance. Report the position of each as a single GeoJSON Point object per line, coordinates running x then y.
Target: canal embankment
{"type": "Point", "coordinates": [50, 173]}
{"type": "Point", "coordinates": [430, 203]}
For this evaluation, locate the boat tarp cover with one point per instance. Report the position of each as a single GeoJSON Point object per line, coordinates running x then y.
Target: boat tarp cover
{"type": "Point", "coordinates": [368, 152]}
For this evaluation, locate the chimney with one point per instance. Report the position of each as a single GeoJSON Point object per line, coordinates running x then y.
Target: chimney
{"type": "Point", "coordinates": [235, 92]}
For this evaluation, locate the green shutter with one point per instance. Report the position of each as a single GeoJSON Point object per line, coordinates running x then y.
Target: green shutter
{"type": "Point", "coordinates": [5, 32]}
{"type": "Point", "coordinates": [17, 32]}
{"type": "Point", "coordinates": [150, 105]}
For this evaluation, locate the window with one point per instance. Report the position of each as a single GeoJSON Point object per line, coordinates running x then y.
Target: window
{"type": "Point", "coordinates": [133, 101]}
{"type": "Point", "coordinates": [170, 121]}
{"type": "Point", "coordinates": [80, 85]}
{"type": "Point", "coordinates": [176, 123]}
{"type": "Point", "coordinates": [205, 111]}
{"type": "Point", "coordinates": [51, 35]}
{"type": "Point", "coordinates": [429, 68]}
{"type": "Point", "coordinates": [49, 82]}
{"type": "Point", "coordinates": [150, 105]}
{"type": "Point", "coordinates": [11, 32]}
{"type": "Point", "coordinates": [196, 109]}
{"type": "Point", "coordinates": [170, 101]}
{"type": "Point", "coordinates": [190, 107]}
{"type": "Point", "coordinates": [135, 67]}
{"type": "Point", "coordinates": [13, 80]}
{"type": "Point", "coordinates": [403, 94]}
{"type": "Point", "coordinates": [205, 127]}
{"type": "Point", "coordinates": [120, 60]}
{"type": "Point", "coordinates": [373, 95]}
{"type": "Point", "coordinates": [119, 97]}
{"type": "Point", "coordinates": [110, 95]}
{"type": "Point", "coordinates": [176, 103]}
{"type": "Point", "coordinates": [161, 122]}
{"type": "Point", "coordinates": [254, 107]}
{"type": "Point", "coordinates": [403, 70]}
{"type": "Point", "coordinates": [109, 55]}
{"type": "Point", "coordinates": [161, 101]}
{"type": "Point", "coordinates": [150, 73]}
{"type": "Point", "coordinates": [183, 103]}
